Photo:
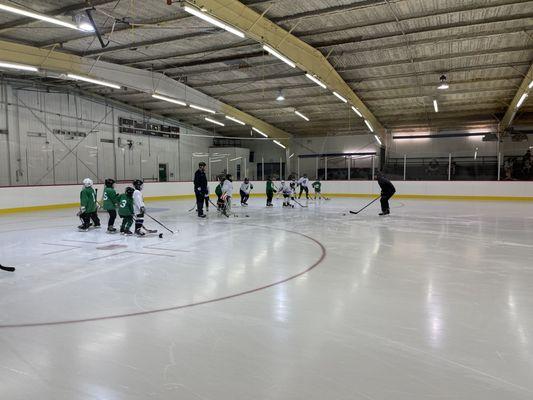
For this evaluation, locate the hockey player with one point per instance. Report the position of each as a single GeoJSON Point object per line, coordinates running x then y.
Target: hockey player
{"type": "Point", "coordinates": [110, 201]}
{"type": "Point", "coordinates": [270, 190]}
{"type": "Point", "coordinates": [125, 210]}
{"type": "Point", "coordinates": [88, 206]}
{"type": "Point", "coordinates": [246, 188]}
{"type": "Point", "coordinates": [387, 191]}
{"type": "Point", "coordinates": [218, 192]}
{"type": "Point", "coordinates": [138, 206]}
{"type": "Point", "coordinates": [287, 188]}
{"type": "Point", "coordinates": [317, 186]}
{"type": "Point", "coordinates": [227, 191]}
{"type": "Point", "coordinates": [200, 188]}
{"type": "Point", "coordinates": [303, 182]}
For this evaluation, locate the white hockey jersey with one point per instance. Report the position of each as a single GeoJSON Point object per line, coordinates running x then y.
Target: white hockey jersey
{"type": "Point", "coordinates": [247, 187]}
{"type": "Point", "coordinates": [138, 201]}
{"type": "Point", "coordinates": [303, 181]}
{"type": "Point", "coordinates": [227, 188]}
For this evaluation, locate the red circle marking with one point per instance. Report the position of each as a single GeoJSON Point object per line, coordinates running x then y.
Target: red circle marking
{"type": "Point", "coordinates": [199, 303]}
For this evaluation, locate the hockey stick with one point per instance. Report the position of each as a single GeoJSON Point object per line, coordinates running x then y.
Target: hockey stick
{"type": "Point", "coordinates": [300, 204]}
{"type": "Point", "coordinates": [192, 208]}
{"type": "Point", "coordinates": [373, 201]}
{"type": "Point", "coordinates": [152, 218]}
{"type": "Point", "coordinates": [8, 269]}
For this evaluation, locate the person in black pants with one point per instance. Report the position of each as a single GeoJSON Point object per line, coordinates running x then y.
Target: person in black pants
{"type": "Point", "coordinates": [200, 188]}
{"type": "Point", "coordinates": [387, 191]}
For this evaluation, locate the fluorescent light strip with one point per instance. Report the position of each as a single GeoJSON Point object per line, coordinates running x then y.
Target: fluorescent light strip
{"type": "Point", "coordinates": [378, 140]}
{"type": "Point", "coordinates": [355, 110]}
{"type": "Point", "coordinates": [369, 126]}
{"type": "Point", "coordinates": [214, 21]}
{"type": "Point", "coordinates": [279, 55]}
{"type": "Point", "coordinates": [340, 97]}
{"type": "Point", "coordinates": [258, 131]}
{"type": "Point", "coordinates": [316, 80]}
{"type": "Point", "coordinates": [531, 85]}
{"type": "Point", "coordinates": [202, 108]}
{"type": "Point", "coordinates": [279, 144]}
{"type": "Point", "coordinates": [40, 17]}
{"type": "Point", "coordinates": [436, 106]}
{"type": "Point", "coordinates": [235, 159]}
{"type": "Point", "coordinates": [21, 67]}
{"type": "Point", "coordinates": [95, 81]}
{"type": "Point", "coordinates": [298, 113]}
{"type": "Point", "coordinates": [235, 120]}
{"type": "Point", "coordinates": [214, 121]}
{"type": "Point", "coordinates": [169, 99]}
{"type": "Point", "coordinates": [444, 86]}
{"type": "Point", "coordinates": [521, 101]}
{"type": "Point", "coordinates": [291, 156]}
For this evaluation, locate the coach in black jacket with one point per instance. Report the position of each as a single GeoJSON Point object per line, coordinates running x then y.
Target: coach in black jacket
{"type": "Point", "coordinates": [387, 191]}
{"type": "Point", "coordinates": [200, 188]}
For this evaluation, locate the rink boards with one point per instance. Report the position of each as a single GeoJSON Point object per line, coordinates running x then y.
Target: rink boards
{"type": "Point", "coordinates": [34, 198]}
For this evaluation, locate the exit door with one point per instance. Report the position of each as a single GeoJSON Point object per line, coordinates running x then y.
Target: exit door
{"type": "Point", "coordinates": [163, 173]}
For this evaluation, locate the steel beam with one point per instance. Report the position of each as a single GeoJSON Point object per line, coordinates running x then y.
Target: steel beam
{"type": "Point", "coordinates": [55, 64]}
{"type": "Point", "coordinates": [510, 114]}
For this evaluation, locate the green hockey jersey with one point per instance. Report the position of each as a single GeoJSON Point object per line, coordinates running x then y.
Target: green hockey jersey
{"type": "Point", "coordinates": [125, 205]}
{"type": "Point", "coordinates": [317, 186]}
{"type": "Point", "coordinates": [88, 199]}
{"type": "Point", "coordinates": [270, 187]}
{"type": "Point", "coordinates": [110, 198]}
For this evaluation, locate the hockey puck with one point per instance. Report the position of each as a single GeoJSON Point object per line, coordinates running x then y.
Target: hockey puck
{"type": "Point", "coordinates": [160, 236]}
{"type": "Point", "coordinates": [247, 216]}
{"type": "Point", "coordinates": [343, 213]}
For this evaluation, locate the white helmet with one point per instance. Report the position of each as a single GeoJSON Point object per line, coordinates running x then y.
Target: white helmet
{"type": "Point", "coordinates": [87, 182]}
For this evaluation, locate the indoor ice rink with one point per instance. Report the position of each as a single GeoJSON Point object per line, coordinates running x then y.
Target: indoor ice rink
{"type": "Point", "coordinates": [266, 199]}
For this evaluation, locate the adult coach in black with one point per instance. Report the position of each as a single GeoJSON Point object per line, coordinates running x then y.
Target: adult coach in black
{"type": "Point", "coordinates": [200, 188]}
{"type": "Point", "coordinates": [387, 191]}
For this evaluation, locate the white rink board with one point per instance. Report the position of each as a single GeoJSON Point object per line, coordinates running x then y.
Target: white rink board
{"type": "Point", "coordinates": [35, 196]}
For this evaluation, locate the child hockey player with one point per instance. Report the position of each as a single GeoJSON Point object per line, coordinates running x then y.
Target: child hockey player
{"type": "Point", "coordinates": [287, 188]}
{"type": "Point", "coordinates": [139, 208]}
{"type": "Point", "coordinates": [227, 191]}
{"type": "Point", "coordinates": [88, 206]}
{"type": "Point", "coordinates": [218, 192]}
{"type": "Point", "coordinates": [125, 210]}
{"type": "Point", "coordinates": [317, 186]}
{"type": "Point", "coordinates": [110, 201]}
{"type": "Point", "coordinates": [303, 182]}
{"type": "Point", "coordinates": [270, 189]}
{"type": "Point", "coordinates": [246, 188]}
{"type": "Point", "coordinates": [387, 191]}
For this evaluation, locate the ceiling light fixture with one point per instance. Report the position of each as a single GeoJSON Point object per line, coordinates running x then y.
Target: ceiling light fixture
{"type": "Point", "coordinates": [443, 83]}
{"type": "Point", "coordinates": [202, 108]}
{"type": "Point", "coordinates": [258, 131]}
{"type": "Point", "coordinates": [38, 16]}
{"type": "Point", "coordinates": [91, 80]}
{"type": "Point", "coordinates": [355, 110]}
{"type": "Point", "coordinates": [378, 140]}
{"type": "Point", "coordinates": [316, 80]}
{"type": "Point", "coordinates": [531, 85]}
{"type": "Point", "coordinates": [279, 55]}
{"type": "Point", "coordinates": [214, 21]}
{"type": "Point", "coordinates": [169, 99]}
{"type": "Point", "coordinates": [279, 144]}
{"type": "Point", "coordinates": [369, 126]}
{"type": "Point", "coordinates": [340, 97]}
{"type": "Point", "coordinates": [20, 67]}
{"type": "Point", "coordinates": [522, 99]}
{"type": "Point", "coordinates": [436, 106]}
{"type": "Point", "coordinates": [298, 113]}
{"type": "Point", "coordinates": [280, 95]}
{"type": "Point", "coordinates": [214, 121]}
{"type": "Point", "coordinates": [235, 120]}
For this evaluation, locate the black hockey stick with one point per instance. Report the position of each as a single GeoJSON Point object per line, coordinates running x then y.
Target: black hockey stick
{"type": "Point", "coordinates": [192, 208]}
{"type": "Point", "coordinates": [8, 269]}
{"type": "Point", "coordinates": [171, 231]}
{"type": "Point", "coordinates": [373, 201]}
{"type": "Point", "coordinates": [300, 204]}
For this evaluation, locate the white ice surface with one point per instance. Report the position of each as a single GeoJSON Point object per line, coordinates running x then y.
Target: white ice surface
{"type": "Point", "coordinates": [432, 302]}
